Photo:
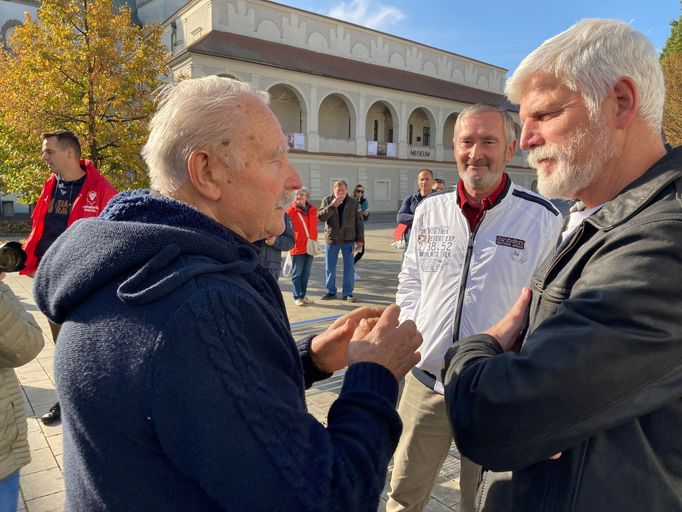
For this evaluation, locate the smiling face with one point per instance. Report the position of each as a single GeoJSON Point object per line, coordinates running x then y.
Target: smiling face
{"type": "Point", "coordinates": [254, 198]}
{"type": "Point", "coordinates": [566, 147]}
{"type": "Point", "coordinates": [301, 198]}
{"type": "Point", "coordinates": [481, 152]}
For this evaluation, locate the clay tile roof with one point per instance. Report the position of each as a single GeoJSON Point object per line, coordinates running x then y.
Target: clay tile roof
{"type": "Point", "coordinates": [249, 49]}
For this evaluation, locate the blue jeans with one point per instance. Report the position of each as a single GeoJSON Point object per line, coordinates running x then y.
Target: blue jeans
{"type": "Point", "coordinates": [9, 492]}
{"type": "Point", "coordinates": [331, 256]}
{"type": "Point", "coordinates": [300, 273]}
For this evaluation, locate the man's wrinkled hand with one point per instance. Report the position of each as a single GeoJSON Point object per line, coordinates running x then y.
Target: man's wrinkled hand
{"type": "Point", "coordinates": [329, 350]}
{"type": "Point", "coordinates": [390, 344]}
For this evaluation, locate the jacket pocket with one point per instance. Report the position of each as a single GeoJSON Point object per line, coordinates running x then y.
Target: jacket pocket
{"type": "Point", "coordinates": [8, 425]}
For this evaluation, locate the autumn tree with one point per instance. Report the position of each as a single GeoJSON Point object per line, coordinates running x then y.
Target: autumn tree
{"type": "Point", "coordinates": [82, 65]}
{"type": "Point", "coordinates": [671, 61]}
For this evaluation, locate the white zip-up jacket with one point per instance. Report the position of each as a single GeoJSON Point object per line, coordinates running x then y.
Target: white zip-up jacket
{"type": "Point", "coordinates": [455, 283]}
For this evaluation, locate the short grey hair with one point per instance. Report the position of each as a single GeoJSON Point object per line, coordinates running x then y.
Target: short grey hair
{"type": "Point", "coordinates": [303, 190]}
{"type": "Point", "coordinates": [589, 58]}
{"type": "Point", "coordinates": [200, 113]}
{"type": "Point", "coordinates": [481, 108]}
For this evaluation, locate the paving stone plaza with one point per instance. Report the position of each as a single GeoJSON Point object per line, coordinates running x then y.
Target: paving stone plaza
{"type": "Point", "coordinates": [42, 487]}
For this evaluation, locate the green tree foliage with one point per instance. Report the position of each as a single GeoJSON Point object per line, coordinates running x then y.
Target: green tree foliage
{"type": "Point", "coordinates": [674, 42]}
{"type": "Point", "coordinates": [671, 61]}
{"type": "Point", "coordinates": [82, 66]}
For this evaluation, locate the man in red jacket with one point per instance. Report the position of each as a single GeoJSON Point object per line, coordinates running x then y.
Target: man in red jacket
{"type": "Point", "coordinates": [74, 190]}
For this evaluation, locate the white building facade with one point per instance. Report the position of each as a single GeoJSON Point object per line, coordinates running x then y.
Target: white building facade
{"type": "Point", "coordinates": [356, 104]}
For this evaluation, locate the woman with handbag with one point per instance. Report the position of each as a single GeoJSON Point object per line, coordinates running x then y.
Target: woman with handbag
{"type": "Point", "coordinates": [304, 217]}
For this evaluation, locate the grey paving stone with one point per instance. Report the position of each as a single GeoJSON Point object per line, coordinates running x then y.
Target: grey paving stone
{"type": "Point", "coordinates": [40, 460]}
{"type": "Point", "coordinates": [52, 503]}
{"type": "Point", "coordinates": [42, 483]}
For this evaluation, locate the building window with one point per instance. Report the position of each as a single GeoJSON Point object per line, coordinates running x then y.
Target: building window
{"type": "Point", "coordinates": [426, 139]}
{"type": "Point", "coordinates": [7, 209]}
{"type": "Point", "coordinates": [409, 135]}
{"type": "Point", "coordinates": [376, 130]}
{"type": "Point", "coordinates": [382, 190]}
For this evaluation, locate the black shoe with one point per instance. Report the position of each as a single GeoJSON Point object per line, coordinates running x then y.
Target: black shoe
{"type": "Point", "coordinates": [328, 296]}
{"type": "Point", "coordinates": [53, 415]}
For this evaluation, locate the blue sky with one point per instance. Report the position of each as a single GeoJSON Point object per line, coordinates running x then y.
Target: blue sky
{"type": "Point", "coordinates": [497, 32]}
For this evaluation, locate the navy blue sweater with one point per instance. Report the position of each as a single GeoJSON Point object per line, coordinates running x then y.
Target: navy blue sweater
{"type": "Point", "coordinates": [181, 386]}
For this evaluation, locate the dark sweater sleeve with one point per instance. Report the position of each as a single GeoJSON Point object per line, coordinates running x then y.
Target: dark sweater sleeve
{"type": "Point", "coordinates": [229, 411]}
{"type": "Point", "coordinates": [405, 214]}
{"type": "Point", "coordinates": [311, 373]}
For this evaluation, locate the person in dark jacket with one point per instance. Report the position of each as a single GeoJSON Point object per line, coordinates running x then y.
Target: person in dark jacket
{"type": "Point", "coordinates": [271, 248]}
{"type": "Point", "coordinates": [343, 231]}
{"type": "Point", "coordinates": [587, 412]}
{"type": "Point", "coordinates": [410, 203]}
{"type": "Point", "coordinates": [181, 386]}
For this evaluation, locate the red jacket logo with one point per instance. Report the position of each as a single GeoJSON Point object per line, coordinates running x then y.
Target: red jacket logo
{"type": "Point", "coordinates": [92, 196]}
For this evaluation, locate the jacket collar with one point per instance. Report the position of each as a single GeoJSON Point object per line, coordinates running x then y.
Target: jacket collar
{"type": "Point", "coordinates": [638, 194]}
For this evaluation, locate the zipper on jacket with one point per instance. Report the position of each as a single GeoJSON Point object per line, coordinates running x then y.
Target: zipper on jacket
{"type": "Point", "coordinates": [465, 275]}
{"type": "Point", "coordinates": [570, 245]}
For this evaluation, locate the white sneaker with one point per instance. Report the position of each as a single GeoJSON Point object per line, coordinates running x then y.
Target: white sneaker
{"type": "Point", "coordinates": [356, 277]}
{"type": "Point", "coordinates": [306, 300]}
{"type": "Point", "coordinates": [299, 302]}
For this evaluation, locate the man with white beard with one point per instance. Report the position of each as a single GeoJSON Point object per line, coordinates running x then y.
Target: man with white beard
{"type": "Point", "coordinates": [584, 406]}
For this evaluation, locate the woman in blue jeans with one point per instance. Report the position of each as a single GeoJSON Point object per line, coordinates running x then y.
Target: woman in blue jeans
{"type": "Point", "coordinates": [303, 215]}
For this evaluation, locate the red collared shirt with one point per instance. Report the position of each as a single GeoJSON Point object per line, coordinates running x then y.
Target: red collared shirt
{"type": "Point", "coordinates": [474, 212]}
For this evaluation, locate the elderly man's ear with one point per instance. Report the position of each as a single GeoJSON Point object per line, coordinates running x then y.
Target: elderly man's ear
{"type": "Point", "coordinates": [206, 175]}
{"type": "Point", "coordinates": [627, 101]}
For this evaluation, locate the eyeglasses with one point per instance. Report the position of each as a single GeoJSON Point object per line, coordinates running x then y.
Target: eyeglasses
{"type": "Point", "coordinates": [359, 190]}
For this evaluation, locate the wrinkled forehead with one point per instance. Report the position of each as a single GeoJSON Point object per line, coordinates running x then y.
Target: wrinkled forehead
{"type": "Point", "coordinates": [545, 87]}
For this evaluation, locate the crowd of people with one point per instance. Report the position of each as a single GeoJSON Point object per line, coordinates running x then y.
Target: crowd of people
{"type": "Point", "coordinates": [549, 349]}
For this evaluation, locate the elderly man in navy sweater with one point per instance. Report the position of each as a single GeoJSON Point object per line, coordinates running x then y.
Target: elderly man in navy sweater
{"type": "Point", "coordinates": [181, 386]}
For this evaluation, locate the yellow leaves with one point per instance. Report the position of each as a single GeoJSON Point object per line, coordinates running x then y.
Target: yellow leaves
{"type": "Point", "coordinates": [671, 61]}
{"type": "Point", "coordinates": [82, 66]}
{"type": "Point", "coordinates": [672, 113]}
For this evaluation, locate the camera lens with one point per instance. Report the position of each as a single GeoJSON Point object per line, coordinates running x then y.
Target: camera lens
{"type": "Point", "coordinates": [12, 257]}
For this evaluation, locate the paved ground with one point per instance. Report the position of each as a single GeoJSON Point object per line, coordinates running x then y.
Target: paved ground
{"type": "Point", "coordinates": [42, 487]}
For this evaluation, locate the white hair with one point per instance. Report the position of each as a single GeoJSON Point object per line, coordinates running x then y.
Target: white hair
{"type": "Point", "coordinates": [482, 108]}
{"type": "Point", "coordinates": [201, 113]}
{"type": "Point", "coordinates": [589, 58]}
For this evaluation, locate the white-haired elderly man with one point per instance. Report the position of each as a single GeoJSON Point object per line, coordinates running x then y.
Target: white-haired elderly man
{"type": "Point", "coordinates": [587, 412]}
{"type": "Point", "coordinates": [181, 386]}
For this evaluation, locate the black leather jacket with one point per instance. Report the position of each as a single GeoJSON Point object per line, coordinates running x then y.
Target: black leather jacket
{"type": "Point", "coordinates": [599, 377]}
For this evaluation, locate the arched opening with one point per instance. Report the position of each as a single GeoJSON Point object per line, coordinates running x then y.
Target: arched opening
{"type": "Point", "coordinates": [379, 130]}
{"type": "Point", "coordinates": [448, 135]}
{"type": "Point", "coordinates": [336, 125]}
{"type": "Point", "coordinates": [419, 126]}
{"type": "Point", "coordinates": [287, 106]}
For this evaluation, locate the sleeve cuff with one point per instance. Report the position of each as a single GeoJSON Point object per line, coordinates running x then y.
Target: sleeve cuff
{"type": "Point", "coordinates": [311, 373]}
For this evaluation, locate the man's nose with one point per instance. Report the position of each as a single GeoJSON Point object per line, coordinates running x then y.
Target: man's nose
{"type": "Point", "coordinates": [475, 152]}
{"type": "Point", "coordinates": [530, 136]}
